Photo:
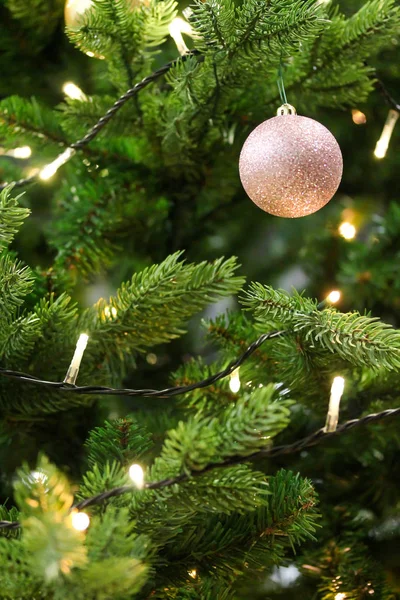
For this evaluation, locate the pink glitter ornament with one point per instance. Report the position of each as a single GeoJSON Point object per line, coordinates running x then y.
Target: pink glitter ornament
{"type": "Point", "coordinates": [290, 166]}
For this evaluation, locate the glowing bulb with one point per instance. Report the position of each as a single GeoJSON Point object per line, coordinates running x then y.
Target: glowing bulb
{"type": "Point", "coordinates": [334, 403]}
{"type": "Point", "coordinates": [176, 28]}
{"type": "Point", "coordinates": [383, 143]}
{"type": "Point", "coordinates": [358, 117]}
{"type": "Point", "coordinates": [137, 475]}
{"type": "Point", "coordinates": [234, 383]}
{"type": "Point", "coordinates": [23, 152]}
{"type": "Point", "coordinates": [192, 573]}
{"type": "Point", "coordinates": [52, 168]}
{"type": "Point", "coordinates": [340, 596]}
{"type": "Point", "coordinates": [334, 296]}
{"type": "Point", "coordinates": [152, 358]}
{"type": "Point", "coordinates": [347, 230]}
{"type": "Point", "coordinates": [73, 368]}
{"type": "Point", "coordinates": [73, 91]}
{"type": "Point", "coordinates": [80, 521]}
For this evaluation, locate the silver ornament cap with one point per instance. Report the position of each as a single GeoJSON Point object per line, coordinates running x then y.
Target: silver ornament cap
{"type": "Point", "coordinates": [290, 166]}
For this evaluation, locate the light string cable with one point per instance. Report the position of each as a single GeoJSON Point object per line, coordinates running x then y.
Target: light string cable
{"type": "Point", "coordinates": [65, 386]}
{"type": "Point", "coordinates": [315, 438]}
{"type": "Point", "coordinates": [111, 112]}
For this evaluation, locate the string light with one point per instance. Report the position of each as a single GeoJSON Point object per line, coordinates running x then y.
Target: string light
{"type": "Point", "coordinates": [383, 143]}
{"type": "Point", "coordinates": [234, 382]}
{"type": "Point", "coordinates": [192, 573]}
{"type": "Point", "coordinates": [22, 152]}
{"type": "Point", "coordinates": [73, 368]}
{"type": "Point", "coordinates": [52, 168]}
{"type": "Point", "coordinates": [340, 596]}
{"type": "Point", "coordinates": [176, 28]}
{"type": "Point", "coordinates": [347, 230]}
{"type": "Point", "coordinates": [332, 417]}
{"type": "Point", "coordinates": [80, 521]}
{"type": "Point", "coordinates": [358, 117]}
{"type": "Point", "coordinates": [334, 296]}
{"type": "Point", "coordinates": [137, 475]}
{"type": "Point", "coordinates": [151, 358]}
{"type": "Point", "coordinates": [73, 91]}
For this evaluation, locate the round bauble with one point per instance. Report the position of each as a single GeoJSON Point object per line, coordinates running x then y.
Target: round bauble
{"type": "Point", "coordinates": [290, 166]}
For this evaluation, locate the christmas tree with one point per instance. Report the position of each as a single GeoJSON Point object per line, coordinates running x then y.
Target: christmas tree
{"type": "Point", "coordinates": [172, 358]}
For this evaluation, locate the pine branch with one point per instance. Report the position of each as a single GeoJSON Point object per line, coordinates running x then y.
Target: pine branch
{"type": "Point", "coordinates": [16, 282]}
{"type": "Point", "coordinates": [240, 429]}
{"type": "Point", "coordinates": [156, 303]}
{"type": "Point", "coordinates": [12, 216]}
{"type": "Point", "coordinates": [358, 339]}
{"type": "Point", "coordinates": [275, 305]}
{"type": "Point", "coordinates": [122, 440]}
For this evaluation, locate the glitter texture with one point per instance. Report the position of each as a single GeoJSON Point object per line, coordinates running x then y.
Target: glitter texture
{"type": "Point", "coordinates": [290, 166]}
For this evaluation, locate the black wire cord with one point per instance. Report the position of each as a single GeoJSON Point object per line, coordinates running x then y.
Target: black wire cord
{"type": "Point", "coordinates": [112, 111]}
{"type": "Point", "coordinates": [315, 438]}
{"type": "Point", "coordinates": [147, 393]}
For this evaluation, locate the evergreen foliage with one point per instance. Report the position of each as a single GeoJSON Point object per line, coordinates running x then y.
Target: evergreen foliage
{"type": "Point", "coordinates": [159, 178]}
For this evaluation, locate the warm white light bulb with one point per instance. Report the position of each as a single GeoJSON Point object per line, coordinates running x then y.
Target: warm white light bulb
{"type": "Point", "coordinates": [347, 230]}
{"type": "Point", "coordinates": [136, 473]}
{"type": "Point", "coordinates": [23, 152]}
{"type": "Point", "coordinates": [80, 521]}
{"type": "Point", "coordinates": [192, 573]}
{"type": "Point", "coordinates": [334, 403]}
{"type": "Point", "coordinates": [176, 28]}
{"type": "Point", "coordinates": [234, 383]}
{"type": "Point", "coordinates": [52, 168]}
{"type": "Point", "coordinates": [334, 296]}
{"type": "Point", "coordinates": [340, 596]}
{"type": "Point", "coordinates": [358, 117]}
{"type": "Point", "coordinates": [47, 172]}
{"type": "Point", "coordinates": [383, 143]}
{"type": "Point", "coordinates": [73, 368]}
{"type": "Point", "coordinates": [73, 91]}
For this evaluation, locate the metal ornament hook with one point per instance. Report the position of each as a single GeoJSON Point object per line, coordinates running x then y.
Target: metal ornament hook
{"type": "Point", "coordinates": [286, 109]}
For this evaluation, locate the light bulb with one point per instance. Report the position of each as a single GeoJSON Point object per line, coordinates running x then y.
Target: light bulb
{"type": "Point", "coordinates": [176, 28]}
{"type": "Point", "coordinates": [73, 91]}
{"type": "Point", "coordinates": [192, 573]}
{"type": "Point", "coordinates": [234, 383]}
{"type": "Point", "coordinates": [52, 168]}
{"type": "Point", "coordinates": [334, 296]}
{"type": "Point", "coordinates": [383, 143]}
{"type": "Point", "coordinates": [80, 521]}
{"type": "Point", "coordinates": [23, 152]}
{"type": "Point", "coordinates": [358, 117]}
{"type": "Point", "coordinates": [137, 475]}
{"type": "Point", "coordinates": [334, 403]}
{"type": "Point", "coordinates": [73, 368]}
{"type": "Point", "coordinates": [347, 230]}
{"type": "Point", "coordinates": [340, 596]}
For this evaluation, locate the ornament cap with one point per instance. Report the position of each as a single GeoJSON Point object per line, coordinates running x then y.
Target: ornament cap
{"type": "Point", "coordinates": [286, 109]}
